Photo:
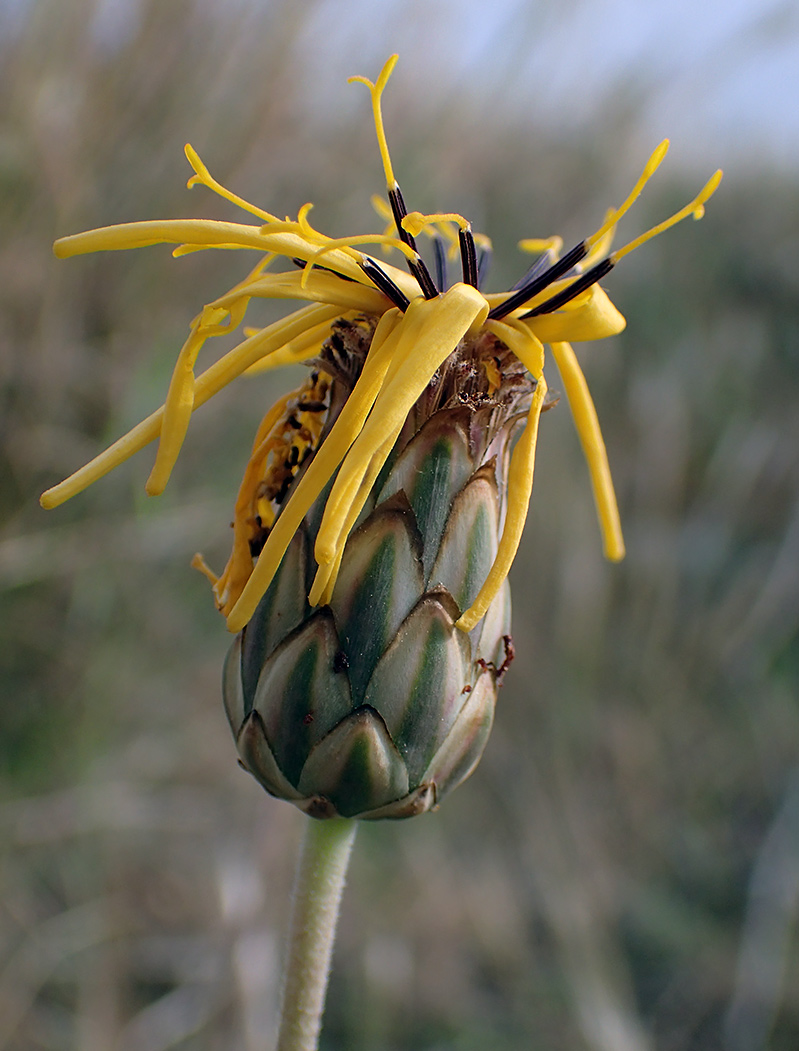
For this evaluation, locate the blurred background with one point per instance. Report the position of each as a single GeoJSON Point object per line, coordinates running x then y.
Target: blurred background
{"type": "Point", "coordinates": [622, 871]}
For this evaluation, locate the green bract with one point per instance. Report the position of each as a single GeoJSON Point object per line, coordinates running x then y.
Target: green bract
{"type": "Point", "coordinates": [376, 705]}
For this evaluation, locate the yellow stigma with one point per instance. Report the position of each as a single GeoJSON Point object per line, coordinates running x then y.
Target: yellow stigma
{"type": "Point", "coordinates": [613, 216]}
{"type": "Point", "coordinates": [376, 91]}
{"type": "Point", "coordinates": [415, 222]}
{"type": "Point", "coordinates": [696, 208]}
{"type": "Point", "coordinates": [204, 178]}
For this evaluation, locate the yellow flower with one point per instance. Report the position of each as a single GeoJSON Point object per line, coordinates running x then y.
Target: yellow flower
{"type": "Point", "coordinates": [419, 323]}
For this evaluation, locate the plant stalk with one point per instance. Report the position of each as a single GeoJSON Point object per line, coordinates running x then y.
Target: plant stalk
{"type": "Point", "coordinates": [318, 886]}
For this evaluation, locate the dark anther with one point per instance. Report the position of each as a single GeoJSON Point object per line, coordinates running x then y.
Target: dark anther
{"type": "Point", "coordinates": [341, 661]}
{"type": "Point", "coordinates": [294, 456]}
{"type": "Point", "coordinates": [311, 406]}
{"type": "Point", "coordinates": [302, 263]}
{"type": "Point", "coordinates": [483, 263]}
{"type": "Point", "coordinates": [532, 287]}
{"type": "Point", "coordinates": [441, 262]}
{"type": "Point", "coordinates": [336, 340]}
{"type": "Point", "coordinates": [590, 277]}
{"type": "Point", "coordinates": [468, 257]}
{"type": "Point", "coordinates": [538, 267]}
{"type": "Point", "coordinates": [293, 422]}
{"type": "Point", "coordinates": [422, 275]}
{"type": "Point", "coordinates": [283, 492]}
{"type": "Point", "coordinates": [399, 211]}
{"type": "Point", "coordinates": [257, 543]}
{"type": "Point", "coordinates": [416, 266]}
{"type": "Point", "coordinates": [381, 280]}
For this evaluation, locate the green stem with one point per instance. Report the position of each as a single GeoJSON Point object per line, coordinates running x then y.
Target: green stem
{"type": "Point", "coordinates": [319, 883]}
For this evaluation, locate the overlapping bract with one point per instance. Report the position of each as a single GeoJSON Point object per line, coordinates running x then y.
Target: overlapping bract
{"type": "Point", "coordinates": [377, 705]}
{"type": "Point", "coordinates": [371, 549]}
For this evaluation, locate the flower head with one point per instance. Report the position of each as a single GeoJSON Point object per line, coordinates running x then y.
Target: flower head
{"type": "Point", "coordinates": [395, 355]}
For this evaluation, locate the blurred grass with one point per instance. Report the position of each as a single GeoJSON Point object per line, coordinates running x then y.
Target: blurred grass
{"type": "Point", "coordinates": [622, 870]}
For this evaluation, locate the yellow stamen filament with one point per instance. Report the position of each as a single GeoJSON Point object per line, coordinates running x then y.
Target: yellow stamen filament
{"type": "Point", "coordinates": [696, 208]}
{"type": "Point", "coordinates": [613, 216]}
{"type": "Point", "coordinates": [203, 177]}
{"type": "Point", "coordinates": [376, 91]}
{"type": "Point", "coordinates": [590, 434]}
{"type": "Point", "coordinates": [520, 487]}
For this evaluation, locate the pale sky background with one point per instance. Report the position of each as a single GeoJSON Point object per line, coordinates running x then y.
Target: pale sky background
{"type": "Point", "coordinates": [721, 77]}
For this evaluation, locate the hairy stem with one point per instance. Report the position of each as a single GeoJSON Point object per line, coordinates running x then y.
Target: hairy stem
{"type": "Point", "coordinates": [321, 873]}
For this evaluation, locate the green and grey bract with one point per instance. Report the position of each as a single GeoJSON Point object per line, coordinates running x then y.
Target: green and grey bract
{"type": "Point", "coordinates": [376, 705]}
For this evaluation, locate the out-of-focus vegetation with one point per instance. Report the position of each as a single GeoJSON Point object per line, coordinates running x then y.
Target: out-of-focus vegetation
{"type": "Point", "coordinates": [621, 873]}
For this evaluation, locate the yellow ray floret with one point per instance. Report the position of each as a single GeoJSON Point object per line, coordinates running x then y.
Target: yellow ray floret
{"type": "Point", "coordinates": [414, 327]}
{"type": "Point", "coordinates": [214, 379]}
{"type": "Point", "coordinates": [376, 91]}
{"type": "Point", "coordinates": [404, 355]}
{"type": "Point", "coordinates": [614, 214]}
{"type": "Point", "coordinates": [695, 208]}
{"type": "Point", "coordinates": [587, 424]}
{"type": "Point", "coordinates": [323, 466]}
{"type": "Point", "coordinates": [520, 487]}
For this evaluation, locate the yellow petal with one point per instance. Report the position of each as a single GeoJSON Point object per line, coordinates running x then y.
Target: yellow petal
{"type": "Point", "coordinates": [430, 331]}
{"type": "Point", "coordinates": [594, 317]}
{"type": "Point", "coordinates": [321, 468]}
{"type": "Point", "coordinates": [587, 423]}
{"type": "Point", "coordinates": [217, 376]}
{"type": "Point", "coordinates": [520, 487]}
